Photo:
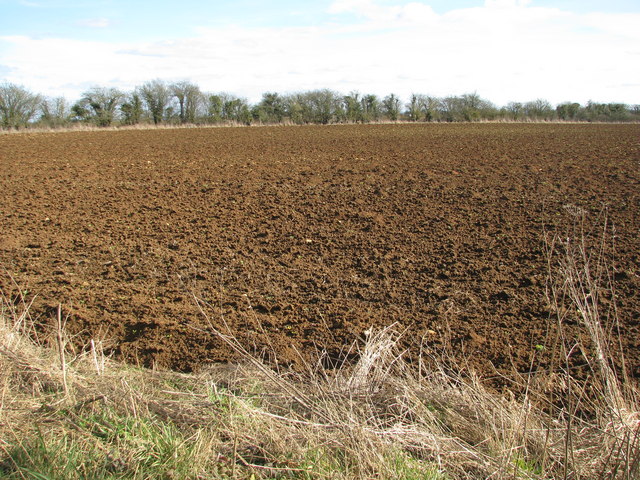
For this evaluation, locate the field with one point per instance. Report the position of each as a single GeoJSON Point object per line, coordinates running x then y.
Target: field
{"type": "Point", "coordinates": [298, 240]}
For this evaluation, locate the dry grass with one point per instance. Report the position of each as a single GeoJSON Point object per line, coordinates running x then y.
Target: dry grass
{"type": "Point", "coordinates": [86, 127]}
{"type": "Point", "coordinates": [82, 415]}
{"type": "Point", "coordinates": [581, 289]}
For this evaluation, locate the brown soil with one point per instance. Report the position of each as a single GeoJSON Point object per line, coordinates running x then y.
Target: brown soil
{"type": "Point", "coordinates": [300, 239]}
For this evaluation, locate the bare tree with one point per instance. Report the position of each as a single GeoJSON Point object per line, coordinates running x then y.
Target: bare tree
{"type": "Point", "coordinates": [215, 105]}
{"type": "Point", "coordinates": [453, 109]}
{"type": "Point", "coordinates": [225, 107]}
{"type": "Point", "coordinates": [271, 108]}
{"type": "Point", "coordinates": [414, 107]}
{"type": "Point", "coordinates": [132, 109]}
{"type": "Point", "coordinates": [189, 99]}
{"type": "Point", "coordinates": [474, 107]}
{"type": "Point", "coordinates": [430, 107]}
{"type": "Point", "coordinates": [99, 104]}
{"type": "Point", "coordinates": [539, 109]}
{"type": "Point", "coordinates": [353, 107]}
{"type": "Point", "coordinates": [18, 106]}
{"type": "Point", "coordinates": [156, 95]}
{"type": "Point", "coordinates": [293, 108]}
{"type": "Point", "coordinates": [324, 106]}
{"type": "Point", "coordinates": [606, 112]}
{"type": "Point", "coordinates": [370, 108]}
{"type": "Point", "coordinates": [54, 112]}
{"type": "Point", "coordinates": [184, 102]}
{"type": "Point", "coordinates": [567, 111]}
{"type": "Point", "coordinates": [236, 109]}
{"type": "Point", "coordinates": [515, 110]}
{"type": "Point", "coordinates": [391, 107]}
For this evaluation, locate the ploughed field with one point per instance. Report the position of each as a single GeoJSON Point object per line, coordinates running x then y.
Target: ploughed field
{"type": "Point", "coordinates": [298, 240]}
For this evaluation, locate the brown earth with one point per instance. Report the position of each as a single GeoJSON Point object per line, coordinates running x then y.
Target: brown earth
{"type": "Point", "coordinates": [300, 239]}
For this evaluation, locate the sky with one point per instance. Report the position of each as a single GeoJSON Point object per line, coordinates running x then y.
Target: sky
{"type": "Point", "coordinates": [503, 50]}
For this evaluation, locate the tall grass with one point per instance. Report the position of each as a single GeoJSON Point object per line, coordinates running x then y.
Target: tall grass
{"type": "Point", "coordinates": [581, 289]}
{"type": "Point", "coordinates": [382, 417]}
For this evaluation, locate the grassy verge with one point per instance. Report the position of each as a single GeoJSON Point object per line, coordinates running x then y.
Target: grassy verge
{"type": "Point", "coordinates": [84, 416]}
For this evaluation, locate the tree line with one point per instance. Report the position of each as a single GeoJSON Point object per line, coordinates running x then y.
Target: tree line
{"type": "Point", "coordinates": [180, 103]}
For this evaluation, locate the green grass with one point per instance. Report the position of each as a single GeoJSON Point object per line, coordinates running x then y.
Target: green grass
{"type": "Point", "coordinates": [405, 466]}
{"type": "Point", "coordinates": [102, 443]}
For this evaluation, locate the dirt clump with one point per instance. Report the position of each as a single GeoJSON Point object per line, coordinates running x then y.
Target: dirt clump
{"type": "Point", "coordinates": [300, 239]}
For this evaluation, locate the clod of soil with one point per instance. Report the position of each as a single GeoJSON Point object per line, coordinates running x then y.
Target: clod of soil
{"type": "Point", "coordinates": [300, 239]}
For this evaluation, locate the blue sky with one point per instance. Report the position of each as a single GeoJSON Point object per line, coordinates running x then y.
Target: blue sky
{"type": "Point", "coordinates": [502, 49]}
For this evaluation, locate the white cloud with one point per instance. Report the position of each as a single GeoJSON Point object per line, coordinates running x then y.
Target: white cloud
{"type": "Point", "coordinates": [506, 3]}
{"type": "Point", "coordinates": [504, 50]}
{"type": "Point", "coordinates": [623, 25]}
{"type": "Point", "coordinates": [95, 22]}
{"type": "Point", "coordinates": [65, 67]}
{"type": "Point", "coordinates": [412, 12]}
